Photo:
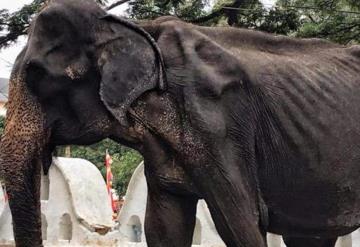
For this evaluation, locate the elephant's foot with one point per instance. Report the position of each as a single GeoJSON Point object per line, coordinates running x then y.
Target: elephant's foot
{"type": "Point", "coordinates": [23, 187]}
{"type": "Point", "coordinates": [309, 242]}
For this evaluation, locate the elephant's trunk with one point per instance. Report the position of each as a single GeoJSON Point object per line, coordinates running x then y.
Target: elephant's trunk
{"type": "Point", "coordinates": [20, 154]}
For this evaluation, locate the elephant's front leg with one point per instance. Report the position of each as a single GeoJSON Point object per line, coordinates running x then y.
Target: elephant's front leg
{"type": "Point", "coordinates": [171, 204]}
{"type": "Point", "coordinates": [170, 219]}
{"type": "Point", "coordinates": [22, 182]}
{"type": "Point", "coordinates": [232, 202]}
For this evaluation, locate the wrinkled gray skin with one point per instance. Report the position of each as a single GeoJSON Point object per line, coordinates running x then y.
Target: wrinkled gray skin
{"type": "Point", "coordinates": [264, 128]}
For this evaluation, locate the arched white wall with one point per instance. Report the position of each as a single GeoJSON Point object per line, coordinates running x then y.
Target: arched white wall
{"type": "Point", "coordinates": [135, 203]}
{"type": "Point", "coordinates": [197, 233]}
{"type": "Point", "coordinates": [65, 227]}
{"type": "Point", "coordinates": [134, 229]}
{"type": "Point", "coordinates": [45, 187]}
{"type": "Point", "coordinates": [44, 227]}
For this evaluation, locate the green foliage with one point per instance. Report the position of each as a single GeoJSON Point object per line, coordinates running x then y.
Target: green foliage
{"type": "Point", "coordinates": [16, 24]}
{"type": "Point", "coordinates": [125, 160]}
{"type": "Point", "coordinates": [150, 9]}
{"type": "Point", "coordinates": [123, 168]}
{"type": "Point", "coordinates": [303, 18]}
{"type": "Point", "coordinates": [243, 13]}
{"type": "Point", "coordinates": [2, 124]}
{"type": "Point", "coordinates": [96, 153]}
{"type": "Point", "coordinates": [280, 21]}
{"type": "Point", "coordinates": [335, 20]}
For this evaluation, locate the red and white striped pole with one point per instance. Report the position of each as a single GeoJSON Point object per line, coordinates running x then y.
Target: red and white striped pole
{"type": "Point", "coordinates": [109, 179]}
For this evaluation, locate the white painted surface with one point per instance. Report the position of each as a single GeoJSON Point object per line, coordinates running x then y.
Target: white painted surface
{"type": "Point", "coordinates": [6, 233]}
{"type": "Point", "coordinates": [135, 203]}
{"type": "Point", "coordinates": [87, 192]}
{"type": "Point", "coordinates": [2, 200]}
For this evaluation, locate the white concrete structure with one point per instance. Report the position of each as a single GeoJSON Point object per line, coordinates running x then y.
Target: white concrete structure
{"type": "Point", "coordinates": [75, 206]}
{"type": "Point", "coordinates": [76, 212]}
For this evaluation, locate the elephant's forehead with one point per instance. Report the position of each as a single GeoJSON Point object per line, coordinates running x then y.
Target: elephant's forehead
{"type": "Point", "coordinates": [67, 16]}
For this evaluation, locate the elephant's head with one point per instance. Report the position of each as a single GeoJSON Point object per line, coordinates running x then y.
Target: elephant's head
{"type": "Point", "coordinates": [74, 43]}
{"type": "Point", "coordinates": [72, 84]}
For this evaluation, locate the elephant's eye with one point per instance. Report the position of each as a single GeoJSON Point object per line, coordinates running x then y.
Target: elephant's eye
{"type": "Point", "coordinates": [54, 48]}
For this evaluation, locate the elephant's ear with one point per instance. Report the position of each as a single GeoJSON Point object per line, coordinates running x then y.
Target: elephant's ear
{"type": "Point", "coordinates": [130, 65]}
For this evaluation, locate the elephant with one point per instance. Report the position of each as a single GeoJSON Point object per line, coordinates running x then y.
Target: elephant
{"type": "Point", "coordinates": [264, 128]}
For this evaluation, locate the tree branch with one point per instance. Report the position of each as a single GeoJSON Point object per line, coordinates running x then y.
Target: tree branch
{"type": "Point", "coordinates": [208, 17]}
{"type": "Point", "coordinates": [117, 3]}
{"type": "Point", "coordinates": [311, 18]}
{"type": "Point", "coordinates": [226, 10]}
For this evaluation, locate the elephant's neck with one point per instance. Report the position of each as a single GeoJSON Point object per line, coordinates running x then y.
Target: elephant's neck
{"type": "Point", "coordinates": [158, 115]}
